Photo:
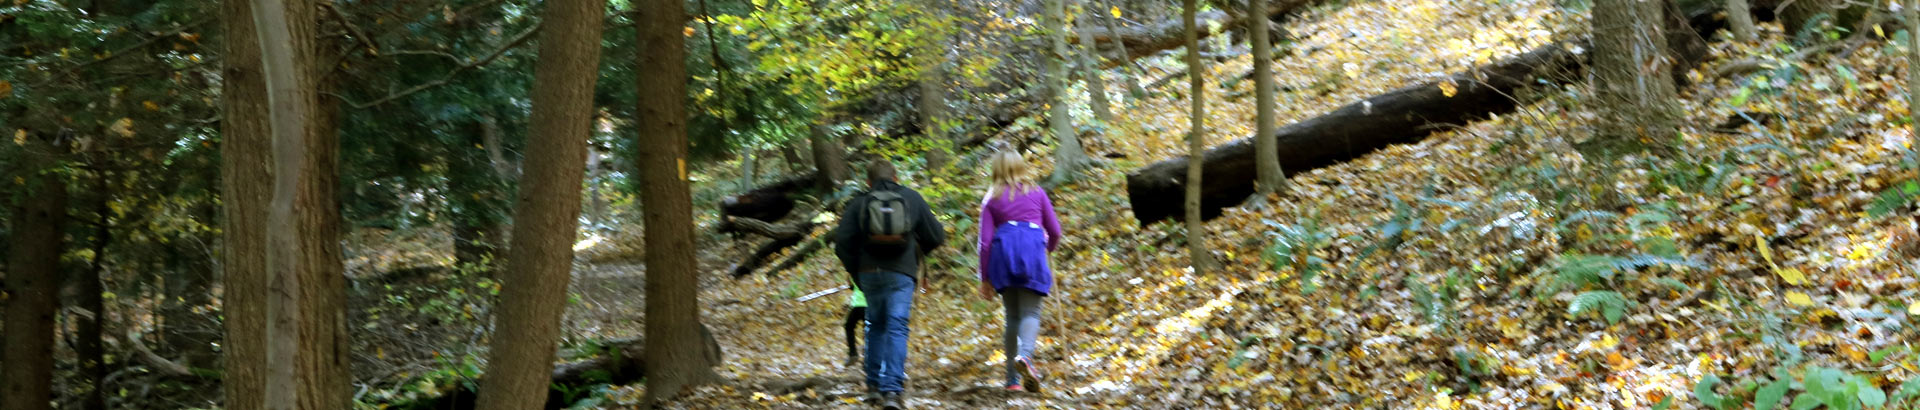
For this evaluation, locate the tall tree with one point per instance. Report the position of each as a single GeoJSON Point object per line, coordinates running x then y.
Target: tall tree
{"type": "Point", "coordinates": [1127, 75]}
{"type": "Point", "coordinates": [933, 89]}
{"type": "Point", "coordinates": [1196, 142]}
{"type": "Point", "coordinates": [87, 288]}
{"type": "Point", "coordinates": [546, 216]}
{"type": "Point", "coordinates": [1910, 15]}
{"type": "Point", "coordinates": [677, 354]}
{"type": "Point", "coordinates": [306, 298]}
{"type": "Point", "coordinates": [33, 279]}
{"type": "Point", "coordinates": [246, 188]}
{"type": "Point", "coordinates": [1090, 61]}
{"type": "Point", "coordinates": [1740, 16]}
{"type": "Point", "coordinates": [1632, 76]}
{"type": "Point", "coordinates": [1271, 177]}
{"type": "Point", "coordinates": [1067, 153]}
{"type": "Point", "coordinates": [829, 156]}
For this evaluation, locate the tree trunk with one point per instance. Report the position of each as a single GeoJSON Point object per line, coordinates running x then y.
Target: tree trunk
{"type": "Point", "coordinates": [830, 157]}
{"type": "Point", "coordinates": [932, 105]}
{"type": "Point", "coordinates": [1910, 15]}
{"type": "Point", "coordinates": [795, 164]}
{"type": "Point", "coordinates": [1740, 17]}
{"type": "Point", "coordinates": [1803, 18]}
{"type": "Point", "coordinates": [675, 356]}
{"type": "Point", "coordinates": [1271, 179]}
{"type": "Point", "coordinates": [1196, 144]}
{"type": "Point", "coordinates": [87, 290]}
{"type": "Point", "coordinates": [1090, 61]}
{"type": "Point", "coordinates": [245, 188]}
{"type": "Point", "coordinates": [1067, 154]}
{"type": "Point", "coordinates": [480, 206]}
{"type": "Point", "coordinates": [546, 215]}
{"type": "Point", "coordinates": [1127, 76]}
{"type": "Point", "coordinates": [32, 283]}
{"type": "Point", "coordinates": [598, 210]}
{"type": "Point", "coordinates": [306, 335]}
{"type": "Point", "coordinates": [1632, 77]}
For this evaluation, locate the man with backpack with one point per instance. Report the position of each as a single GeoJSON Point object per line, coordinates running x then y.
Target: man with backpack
{"type": "Point", "coordinates": [883, 233]}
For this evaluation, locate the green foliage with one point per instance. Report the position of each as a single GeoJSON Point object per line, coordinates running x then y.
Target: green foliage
{"type": "Point", "coordinates": [1610, 304]}
{"type": "Point", "coordinates": [1816, 386]}
{"type": "Point", "coordinates": [1297, 246]}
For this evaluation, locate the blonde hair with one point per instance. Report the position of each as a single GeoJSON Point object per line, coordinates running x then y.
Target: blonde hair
{"type": "Point", "coordinates": [1010, 174]}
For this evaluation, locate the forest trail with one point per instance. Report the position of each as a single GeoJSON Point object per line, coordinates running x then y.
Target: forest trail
{"type": "Point", "coordinates": [1459, 315]}
{"type": "Point", "coordinates": [1130, 326]}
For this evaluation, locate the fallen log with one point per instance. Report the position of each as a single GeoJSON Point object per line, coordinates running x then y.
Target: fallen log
{"type": "Point", "coordinates": [619, 363]}
{"type": "Point", "coordinates": [1407, 115]}
{"type": "Point", "coordinates": [616, 363]}
{"type": "Point", "coordinates": [771, 202]}
{"type": "Point", "coordinates": [1397, 117]}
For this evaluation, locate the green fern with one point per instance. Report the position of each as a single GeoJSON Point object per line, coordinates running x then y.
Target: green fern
{"type": "Point", "coordinates": [1611, 305]}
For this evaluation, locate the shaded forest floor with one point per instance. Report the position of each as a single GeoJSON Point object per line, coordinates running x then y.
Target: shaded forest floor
{"type": "Point", "coordinates": [1476, 269]}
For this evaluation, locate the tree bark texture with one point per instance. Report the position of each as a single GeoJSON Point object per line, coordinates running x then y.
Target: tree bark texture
{"type": "Point", "coordinates": [547, 211]}
{"type": "Point", "coordinates": [1740, 18]}
{"type": "Point", "coordinates": [1067, 153]}
{"type": "Point", "coordinates": [1119, 56]}
{"type": "Point", "coordinates": [306, 298]}
{"type": "Point", "coordinates": [675, 356]}
{"type": "Point", "coordinates": [1803, 18]}
{"type": "Point", "coordinates": [32, 282]}
{"type": "Point", "coordinates": [1271, 178]}
{"type": "Point", "coordinates": [933, 89]}
{"type": "Point", "coordinates": [1911, 16]}
{"type": "Point", "coordinates": [87, 289]}
{"type": "Point", "coordinates": [1196, 144]}
{"type": "Point", "coordinates": [1631, 76]}
{"type": "Point", "coordinates": [246, 187]}
{"type": "Point", "coordinates": [1090, 62]}
{"type": "Point", "coordinates": [830, 157]}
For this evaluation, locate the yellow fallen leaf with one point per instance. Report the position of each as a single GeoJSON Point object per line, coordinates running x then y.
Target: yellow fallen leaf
{"type": "Point", "coordinates": [1116, 12]}
{"type": "Point", "coordinates": [1448, 89]}
{"type": "Point", "coordinates": [1760, 242]}
{"type": "Point", "coordinates": [20, 137]}
{"type": "Point", "coordinates": [688, 31]}
{"type": "Point", "coordinates": [6, 89]}
{"type": "Point", "coordinates": [1798, 298]}
{"type": "Point", "coordinates": [1914, 308]}
{"type": "Point", "coordinates": [1792, 276]}
{"type": "Point", "coordinates": [150, 105]}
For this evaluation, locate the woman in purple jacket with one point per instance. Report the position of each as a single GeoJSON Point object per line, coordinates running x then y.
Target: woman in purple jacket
{"type": "Point", "coordinates": [1017, 230]}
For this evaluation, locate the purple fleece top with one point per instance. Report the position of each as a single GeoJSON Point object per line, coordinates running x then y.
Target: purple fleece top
{"type": "Point", "coordinates": [1033, 206]}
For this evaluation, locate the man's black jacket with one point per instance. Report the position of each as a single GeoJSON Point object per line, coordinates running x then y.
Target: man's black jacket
{"type": "Point", "coordinates": [850, 245]}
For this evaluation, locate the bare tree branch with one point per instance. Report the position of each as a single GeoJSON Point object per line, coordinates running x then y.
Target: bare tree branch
{"type": "Point", "coordinates": [516, 41]}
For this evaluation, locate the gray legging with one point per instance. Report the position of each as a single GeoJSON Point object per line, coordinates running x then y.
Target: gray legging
{"type": "Point", "coordinates": [1023, 326]}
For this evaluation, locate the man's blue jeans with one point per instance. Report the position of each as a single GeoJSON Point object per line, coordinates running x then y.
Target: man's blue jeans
{"type": "Point", "coordinates": [889, 303]}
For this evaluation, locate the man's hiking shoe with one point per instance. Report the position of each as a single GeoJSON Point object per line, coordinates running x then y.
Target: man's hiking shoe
{"type": "Point", "coordinates": [1016, 388]}
{"type": "Point", "coordinates": [892, 401]}
{"type": "Point", "coordinates": [1029, 375]}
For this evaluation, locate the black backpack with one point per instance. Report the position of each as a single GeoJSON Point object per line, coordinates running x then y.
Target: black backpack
{"type": "Point", "coordinates": [887, 222]}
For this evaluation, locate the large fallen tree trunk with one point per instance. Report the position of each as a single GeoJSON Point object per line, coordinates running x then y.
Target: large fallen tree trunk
{"type": "Point", "coordinates": [617, 363]}
{"type": "Point", "coordinates": [1402, 116]}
